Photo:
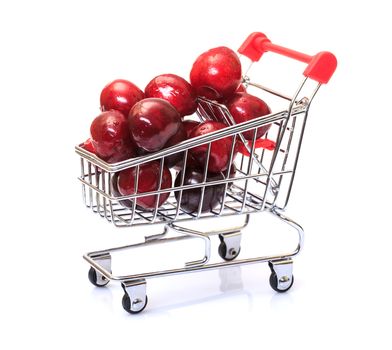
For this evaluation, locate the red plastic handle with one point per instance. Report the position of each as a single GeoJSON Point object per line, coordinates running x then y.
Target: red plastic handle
{"type": "Point", "coordinates": [320, 66]}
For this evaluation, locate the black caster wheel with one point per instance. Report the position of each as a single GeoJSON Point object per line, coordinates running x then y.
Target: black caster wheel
{"type": "Point", "coordinates": [126, 303]}
{"type": "Point", "coordinates": [274, 283]}
{"type": "Point", "coordinates": [222, 250]}
{"type": "Point", "coordinates": [93, 278]}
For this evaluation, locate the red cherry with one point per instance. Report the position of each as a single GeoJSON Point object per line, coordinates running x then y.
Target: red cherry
{"type": "Point", "coordinates": [220, 149]}
{"type": "Point", "coordinates": [152, 122]}
{"type": "Point", "coordinates": [174, 159]}
{"type": "Point", "coordinates": [190, 199]}
{"type": "Point", "coordinates": [120, 95]}
{"type": "Point", "coordinates": [148, 180]}
{"type": "Point", "coordinates": [175, 90]}
{"type": "Point", "coordinates": [216, 73]}
{"type": "Point", "coordinates": [191, 163]}
{"type": "Point", "coordinates": [241, 88]}
{"type": "Point", "coordinates": [243, 107]}
{"type": "Point", "coordinates": [110, 137]}
{"type": "Point", "coordinates": [123, 152]}
{"type": "Point", "coordinates": [116, 193]}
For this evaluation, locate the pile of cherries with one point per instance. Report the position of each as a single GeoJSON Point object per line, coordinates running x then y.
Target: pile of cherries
{"type": "Point", "coordinates": [134, 123]}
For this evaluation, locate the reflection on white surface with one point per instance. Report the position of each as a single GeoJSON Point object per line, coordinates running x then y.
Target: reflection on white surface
{"type": "Point", "coordinates": [185, 293]}
{"type": "Point", "coordinates": [103, 296]}
{"type": "Point", "coordinates": [197, 290]}
{"type": "Point", "coordinates": [230, 278]}
{"type": "Point", "coordinates": [281, 301]}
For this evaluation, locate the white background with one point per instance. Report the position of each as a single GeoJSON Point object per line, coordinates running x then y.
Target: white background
{"type": "Point", "coordinates": [56, 57]}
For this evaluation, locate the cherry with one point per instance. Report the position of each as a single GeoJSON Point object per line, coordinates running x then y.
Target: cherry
{"type": "Point", "coordinates": [116, 193]}
{"type": "Point", "coordinates": [122, 152]}
{"type": "Point", "coordinates": [216, 73]}
{"type": "Point", "coordinates": [220, 149]}
{"type": "Point", "coordinates": [191, 198]}
{"type": "Point", "coordinates": [175, 90]}
{"type": "Point", "coordinates": [174, 159]}
{"type": "Point", "coordinates": [244, 107]}
{"type": "Point", "coordinates": [110, 137]}
{"type": "Point", "coordinates": [120, 95]}
{"type": "Point", "coordinates": [148, 180]}
{"type": "Point", "coordinates": [152, 122]}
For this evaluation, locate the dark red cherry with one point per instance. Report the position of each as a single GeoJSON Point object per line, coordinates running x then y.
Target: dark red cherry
{"type": "Point", "coordinates": [175, 90]}
{"type": "Point", "coordinates": [148, 180]}
{"type": "Point", "coordinates": [120, 95]}
{"type": "Point", "coordinates": [244, 107]}
{"type": "Point", "coordinates": [191, 198]}
{"type": "Point", "coordinates": [110, 137]}
{"type": "Point", "coordinates": [216, 73]}
{"type": "Point", "coordinates": [220, 149]}
{"type": "Point", "coordinates": [123, 152]}
{"type": "Point", "coordinates": [116, 193]}
{"type": "Point", "coordinates": [173, 159]}
{"type": "Point", "coordinates": [152, 122]}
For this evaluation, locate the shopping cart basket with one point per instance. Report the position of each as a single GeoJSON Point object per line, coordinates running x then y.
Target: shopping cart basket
{"type": "Point", "coordinates": [265, 170]}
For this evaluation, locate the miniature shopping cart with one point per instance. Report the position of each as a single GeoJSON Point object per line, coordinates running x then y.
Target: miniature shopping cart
{"type": "Point", "coordinates": [265, 170]}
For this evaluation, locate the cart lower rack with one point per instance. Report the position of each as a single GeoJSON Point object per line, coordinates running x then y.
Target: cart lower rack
{"type": "Point", "coordinates": [262, 182]}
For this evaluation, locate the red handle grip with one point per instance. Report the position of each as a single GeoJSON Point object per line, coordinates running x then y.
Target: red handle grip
{"type": "Point", "coordinates": [320, 66]}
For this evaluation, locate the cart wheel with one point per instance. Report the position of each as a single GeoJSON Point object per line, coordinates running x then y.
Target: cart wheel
{"type": "Point", "coordinates": [93, 278]}
{"type": "Point", "coordinates": [274, 283]}
{"type": "Point", "coordinates": [222, 250]}
{"type": "Point", "coordinates": [133, 307]}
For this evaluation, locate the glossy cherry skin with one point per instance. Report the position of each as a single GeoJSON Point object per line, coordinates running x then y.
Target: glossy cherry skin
{"type": "Point", "coordinates": [244, 107]}
{"type": "Point", "coordinates": [219, 114]}
{"type": "Point", "coordinates": [190, 199]}
{"type": "Point", "coordinates": [220, 149]}
{"type": "Point", "coordinates": [120, 95]}
{"type": "Point", "coordinates": [172, 160]}
{"type": "Point", "coordinates": [175, 90]}
{"type": "Point", "coordinates": [123, 152]}
{"type": "Point", "coordinates": [110, 137]}
{"type": "Point", "coordinates": [216, 73]}
{"type": "Point", "coordinates": [149, 175]}
{"type": "Point", "coordinates": [191, 163]}
{"type": "Point", "coordinates": [152, 122]}
{"type": "Point", "coordinates": [116, 193]}
{"type": "Point", "coordinates": [241, 88]}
